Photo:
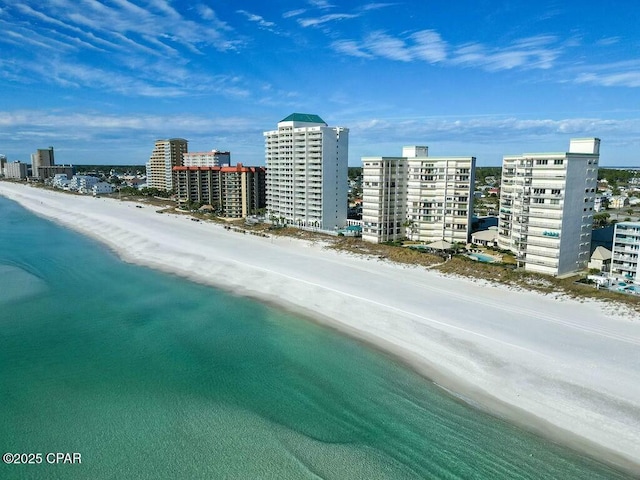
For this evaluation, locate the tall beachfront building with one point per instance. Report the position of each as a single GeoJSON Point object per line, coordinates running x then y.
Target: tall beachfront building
{"type": "Point", "coordinates": [306, 164]}
{"type": "Point", "coordinates": [42, 158]}
{"type": "Point", "coordinates": [422, 198]}
{"type": "Point", "coordinates": [234, 192]}
{"type": "Point", "coordinates": [214, 158]}
{"type": "Point", "coordinates": [625, 261]}
{"type": "Point", "coordinates": [546, 207]}
{"type": "Point", "coordinates": [166, 155]}
{"type": "Point", "coordinates": [384, 198]}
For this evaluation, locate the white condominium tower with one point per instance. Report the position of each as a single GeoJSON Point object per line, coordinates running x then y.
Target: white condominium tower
{"type": "Point", "coordinates": [384, 198]}
{"type": "Point", "coordinates": [214, 158]}
{"type": "Point", "coordinates": [306, 164]}
{"type": "Point", "coordinates": [42, 158]}
{"type": "Point", "coordinates": [546, 207]}
{"type": "Point", "coordinates": [422, 198]}
{"type": "Point", "coordinates": [166, 155]}
{"type": "Point", "coordinates": [625, 263]}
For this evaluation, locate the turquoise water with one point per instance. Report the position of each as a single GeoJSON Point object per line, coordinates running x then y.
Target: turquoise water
{"type": "Point", "coordinates": [482, 258]}
{"type": "Point", "coordinates": [151, 376]}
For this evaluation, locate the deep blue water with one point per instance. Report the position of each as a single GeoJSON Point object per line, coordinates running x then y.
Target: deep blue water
{"type": "Point", "coordinates": [150, 376]}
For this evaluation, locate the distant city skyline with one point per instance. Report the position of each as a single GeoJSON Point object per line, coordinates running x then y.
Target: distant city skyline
{"type": "Point", "coordinates": [101, 81]}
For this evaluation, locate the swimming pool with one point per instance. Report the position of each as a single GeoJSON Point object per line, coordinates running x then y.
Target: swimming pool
{"type": "Point", "coordinates": [482, 258]}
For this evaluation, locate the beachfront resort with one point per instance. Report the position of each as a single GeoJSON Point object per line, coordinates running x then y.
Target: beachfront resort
{"type": "Point", "coordinates": [519, 354]}
{"type": "Point", "coordinates": [546, 204]}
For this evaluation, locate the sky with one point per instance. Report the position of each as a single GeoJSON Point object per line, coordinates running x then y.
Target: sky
{"type": "Point", "coordinates": [101, 80]}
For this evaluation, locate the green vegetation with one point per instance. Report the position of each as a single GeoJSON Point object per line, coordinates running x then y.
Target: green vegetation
{"type": "Point", "coordinates": [354, 172]}
{"type": "Point", "coordinates": [106, 169]}
{"type": "Point", "coordinates": [483, 172]}
{"type": "Point", "coordinates": [601, 219]}
{"type": "Point", "coordinates": [144, 192]}
{"type": "Point", "coordinates": [616, 176]}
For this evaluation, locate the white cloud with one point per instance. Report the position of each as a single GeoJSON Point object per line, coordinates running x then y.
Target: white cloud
{"type": "Point", "coordinates": [607, 41]}
{"type": "Point", "coordinates": [322, 4]}
{"type": "Point", "coordinates": [256, 18]}
{"type": "Point", "coordinates": [621, 79]}
{"type": "Point", "coordinates": [293, 13]}
{"type": "Point", "coordinates": [313, 22]}
{"type": "Point", "coordinates": [382, 45]}
{"type": "Point", "coordinates": [351, 48]}
{"type": "Point", "coordinates": [429, 46]}
{"type": "Point", "coordinates": [528, 53]}
{"type": "Point", "coordinates": [426, 45]}
{"type": "Point", "coordinates": [376, 6]}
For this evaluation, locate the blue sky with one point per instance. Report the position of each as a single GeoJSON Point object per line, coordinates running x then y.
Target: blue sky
{"type": "Point", "coordinates": [100, 80]}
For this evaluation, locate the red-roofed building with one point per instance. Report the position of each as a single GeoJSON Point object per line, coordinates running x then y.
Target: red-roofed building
{"type": "Point", "coordinates": [233, 191]}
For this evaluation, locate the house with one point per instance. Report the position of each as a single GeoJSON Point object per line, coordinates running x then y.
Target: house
{"type": "Point", "coordinates": [600, 259]}
{"type": "Point", "coordinates": [618, 201]}
{"type": "Point", "coordinates": [486, 238]}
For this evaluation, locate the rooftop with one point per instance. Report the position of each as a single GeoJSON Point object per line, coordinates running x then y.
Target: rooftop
{"type": "Point", "coordinates": [303, 117]}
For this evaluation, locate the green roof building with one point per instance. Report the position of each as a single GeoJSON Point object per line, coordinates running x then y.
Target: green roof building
{"type": "Point", "coordinates": [306, 164]}
{"type": "Point", "coordinates": [303, 117]}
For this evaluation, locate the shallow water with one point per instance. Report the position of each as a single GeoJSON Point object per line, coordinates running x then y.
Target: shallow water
{"type": "Point", "coordinates": [151, 376]}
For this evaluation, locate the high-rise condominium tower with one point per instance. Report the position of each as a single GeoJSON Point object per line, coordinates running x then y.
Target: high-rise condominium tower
{"type": "Point", "coordinates": [306, 164]}
{"type": "Point", "coordinates": [42, 158]}
{"type": "Point", "coordinates": [625, 265]}
{"type": "Point", "coordinates": [416, 196]}
{"type": "Point", "coordinates": [546, 207]}
{"type": "Point", "coordinates": [166, 155]}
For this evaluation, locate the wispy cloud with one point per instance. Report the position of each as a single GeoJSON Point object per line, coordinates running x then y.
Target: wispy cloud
{"type": "Point", "coordinates": [605, 42]}
{"type": "Point", "coordinates": [134, 50]}
{"type": "Point", "coordinates": [351, 48]}
{"type": "Point", "coordinates": [622, 79]}
{"type": "Point", "coordinates": [322, 4]}
{"type": "Point", "coordinates": [425, 45]}
{"type": "Point", "coordinates": [252, 17]}
{"type": "Point", "coordinates": [376, 6]}
{"type": "Point", "coordinates": [529, 53]}
{"type": "Point", "coordinates": [492, 129]}
{"type": "Point", "coordinates": [294, 13]}
{"type": "Point", "coordinates": [615, 74]}
{"type": "Point", "coordinates": [332, 17]}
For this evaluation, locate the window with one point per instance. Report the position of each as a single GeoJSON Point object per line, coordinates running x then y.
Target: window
{"type": "Point", "coordinates": [555, 191]}
{"type": "Point", "coordinates": [559, 161]}
{"type": "Point", "coordinates": [542, 162]}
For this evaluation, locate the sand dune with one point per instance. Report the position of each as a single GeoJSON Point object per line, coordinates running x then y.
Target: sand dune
{"type": "Point", "coordinates": [569, 370]}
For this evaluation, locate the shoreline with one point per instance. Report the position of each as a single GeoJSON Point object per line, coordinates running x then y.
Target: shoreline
{"type": "Point", "coordinates": [560, 368]}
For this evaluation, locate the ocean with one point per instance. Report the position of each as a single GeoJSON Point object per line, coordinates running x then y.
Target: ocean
{"type": "Point", "coordinates": [145, 375]}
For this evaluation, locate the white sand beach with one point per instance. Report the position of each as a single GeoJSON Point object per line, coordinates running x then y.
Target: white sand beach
{"type": "Point", "coordinates": [566, 369]}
